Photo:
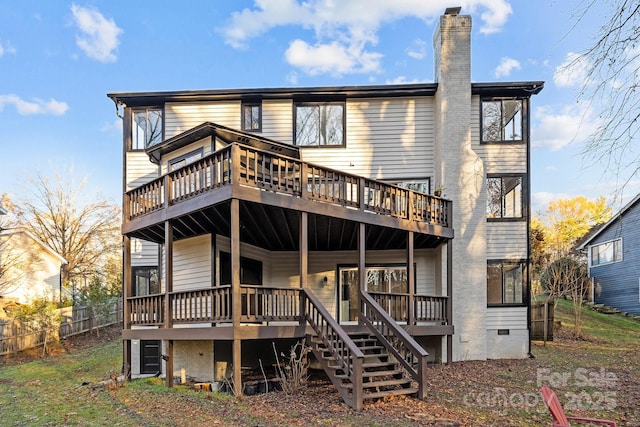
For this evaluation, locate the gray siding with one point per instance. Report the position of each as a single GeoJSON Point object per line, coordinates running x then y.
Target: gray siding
{"type": "Point", "coordinates": [617, 284]}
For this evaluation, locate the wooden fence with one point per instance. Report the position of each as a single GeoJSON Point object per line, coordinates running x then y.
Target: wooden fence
{"type": "Point", "coordinates": [17, 336]}
{"type": "Point", "coordinates": [542, 321]}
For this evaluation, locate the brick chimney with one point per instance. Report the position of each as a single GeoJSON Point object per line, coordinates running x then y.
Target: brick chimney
{"type": "Point", "coordinates": [461, 172]}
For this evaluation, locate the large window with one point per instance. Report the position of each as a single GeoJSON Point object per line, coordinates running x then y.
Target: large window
{"type": "Point", "coordinates": [145, 281]}
{"type": "Point", "coordinates": [181, 161]}
{"type": "Point", "coordinates": [505, 282]}
{"type": "Point", "coordinates": [252, 116]}
{"type": "Point", "coordinates": [504, 197]}
{"type": "Point", "coordinates": [147, 128]}
{"type": "Point", "coordinates": [319, 124]}
{"type": "Point", "coordinates": [502, 120]}
{"type": "Point", "coordinates": [606, 253]}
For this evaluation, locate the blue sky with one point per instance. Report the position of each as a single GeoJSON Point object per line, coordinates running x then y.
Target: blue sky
{"type": "Point", "coordinates": [59, 59]}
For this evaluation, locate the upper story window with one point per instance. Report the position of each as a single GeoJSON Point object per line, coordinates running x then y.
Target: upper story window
{"type": "Point", "coordinates": [504, 197]}
{"type": "Point", "coordinates": [419, 185]}
{"type": "Point", "coordinates": [502, 120]}
{"type": "Point", "coordinates": [252, 116]}
{"type": "Point", "coordinates": [147, 128]}
{"type": "Point", "coordinates": [606, 253]}
{"type": "Point", "coordinates": [506, 282]}
{"type": "Point", "coordinates": [319, 124]}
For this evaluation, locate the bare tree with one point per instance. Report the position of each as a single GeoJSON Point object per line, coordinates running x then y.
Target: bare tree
{"type": "Point", "coordinates": [611, 88]}
{"type": "Point", "coordinates": [84, 233]}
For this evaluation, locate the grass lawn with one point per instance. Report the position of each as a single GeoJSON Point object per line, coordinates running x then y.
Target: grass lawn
{"type": "Point", "coordinates": [597, 376]}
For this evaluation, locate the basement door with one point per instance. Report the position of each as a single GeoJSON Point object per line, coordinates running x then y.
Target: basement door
{"type": "Point", "coordinates": [150, 356]}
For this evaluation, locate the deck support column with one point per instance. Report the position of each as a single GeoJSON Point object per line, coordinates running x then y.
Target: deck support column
{"type": "Point", "coordinates": [410, 279]}
{"type": "Point", "coordinates": [449, 299]}
{"type": "Point", "coordinates": [362, 266]}
{"type": "Point", "coordinates": [126, 294]}
{"type": "Point", "coordinates": [168, 288]}
{"type": "Point", "coordinates": [236, 299]}
{"type": "Point", "coordinates": [304, 261]}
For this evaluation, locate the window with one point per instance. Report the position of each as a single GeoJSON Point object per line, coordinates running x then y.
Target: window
{"type": "Point", "coordinates": [419, 185]}
{"type": "Point", "coordinates": [252, 116]}
{"type": "Point", "coordinates": [250, 270]}
{"type": "Point", "coordinates": [145, 281]}
{"type": "Point", "coordinates": [505, 282]}
{"type": "Point", "coordinates": [606, 253]}
{"type": "Point", "coordinates": [147, 128]}
{"type": "Point", "coordinates": [181, 161]}
{"type": "Point", "coordinates": [504, 197]}
{"type": "Point", "coordinates": [319, 124]}
{"type": "Point", "coordinates": [502, 120]}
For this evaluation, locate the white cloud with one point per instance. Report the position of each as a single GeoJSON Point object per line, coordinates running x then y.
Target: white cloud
{"type": "Point", "coordinates": [333, 58]}
{"type": "Point", "coordinates": [506, 66]}
{"type": "Point", "coordinates": [403, 80]}
{"type": "Point", "coordinates": [554, 128]}
{"type": "Point", "coordinates": [572, 72]}
{"type": "Point", "coordinates": [418, 49]}
{"type": "Point", "coordinates": [6, 48]}
{"type": "Point", "coordinates": [37, 106]}
{"type": "Point", "coordinates": [345, 28]}
{"type": "Point", "coordinates": [99, 37]}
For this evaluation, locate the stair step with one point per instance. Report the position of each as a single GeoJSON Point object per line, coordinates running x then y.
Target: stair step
{"type": "Point", "coordinates": [381, 383]}
{"type": "Point", "coordinates": [387, 393]}
{"type": "Point", "coordinates": [369, 374]}
{"type": "Point", "coordinates": [370, 365]}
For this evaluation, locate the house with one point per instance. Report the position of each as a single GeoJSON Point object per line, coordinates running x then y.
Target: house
{"type": "Point", "coordinates": [261, 217]}
{"type": "Point", "coordinates": [28, 268]}
{"type": "Point", "coordinates": [613, 259]}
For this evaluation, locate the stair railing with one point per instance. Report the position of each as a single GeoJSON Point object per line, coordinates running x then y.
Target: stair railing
{"type": "Point", "coordinates": [337, 342]}
{"type": "Point", "coordinates": [396, 340]}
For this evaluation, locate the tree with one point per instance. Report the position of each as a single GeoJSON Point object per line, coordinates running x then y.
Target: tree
{"type": "Point", "coordinates": [85, 234]}
{"type": "Point", "coordinates": [567, 220]}
{"type": "Point", "coordinates": [611, 87]}
{"type": "Point", "coordinates": [100, 299]}
{"type": "Point", "coordinates": [42, 314]}
{"type": "Point", "coordinates": [567, 277]}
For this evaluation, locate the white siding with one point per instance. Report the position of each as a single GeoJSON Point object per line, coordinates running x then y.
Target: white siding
{"type": "Point", "coordinates": [139, 170]}
{"type": "Point", "coordinates": [248, 251]}
{"type": "Point", "coordinates": [507, 318]}
{"type": "Point", "coordinates": [143, 253]}
{"type": "Point", "coordinates": [386, 139]}
{"type": "Point", "coordinates": [192, 263]}
{"type": "Point", "coordinates": [277, 120]}
{"type": "Point", "coordinates": [180, 117]}
{"type": "Point", "coordinates": [506, 240]}
{"type": "Point", "coordinates": [515, 345]}
{"type": "Point", "coordinates": [204, 143]}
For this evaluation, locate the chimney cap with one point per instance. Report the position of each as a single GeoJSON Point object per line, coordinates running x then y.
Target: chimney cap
{"type": "Point", "coordinates": [453, 10]}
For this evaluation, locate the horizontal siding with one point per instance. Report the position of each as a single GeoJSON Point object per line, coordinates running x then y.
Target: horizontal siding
{"type": "Point", "coordinates": [618, 284]}
{"type": "Point", "coordinates": [386, 139]}
{"type": "Point", "coordinates": [180, 117]}
{"type": "Point", "coordinates": [143, 253]}
{"type": "Point", "coordinates": [506, 240]}
{"type": "Point", "coordinates": [139, 170]}
{"type": "Point", "coordinates": [506, 318]}
{"type": "Point", "coordinates": [277, 120]}
{"type": "Point", "coordinates": [192, 263]}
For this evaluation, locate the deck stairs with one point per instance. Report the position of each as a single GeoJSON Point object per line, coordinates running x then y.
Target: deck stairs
{"type": "Point", "coordinates": [382, 376]}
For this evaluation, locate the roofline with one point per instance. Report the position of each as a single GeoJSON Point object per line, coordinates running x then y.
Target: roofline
{"type": "Point", "coordinates": [611, 221]}
{"type": "Point", "coordinates": [134, 99]}
{"type": "Point", "coordinates": [18, 230]}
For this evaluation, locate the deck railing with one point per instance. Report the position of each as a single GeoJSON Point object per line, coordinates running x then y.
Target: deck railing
{"type": "Point", "coordinates": [265, 304]}
{"type": "Point", "coordinates": [267, 171]}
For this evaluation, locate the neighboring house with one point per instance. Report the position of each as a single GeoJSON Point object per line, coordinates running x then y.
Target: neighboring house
{"type": "Point", "coordinates": [613, 259]}
{"type": "Point", "coordinates": [28, 268]}
{"type": "Point", "coordinates": [271, 215]}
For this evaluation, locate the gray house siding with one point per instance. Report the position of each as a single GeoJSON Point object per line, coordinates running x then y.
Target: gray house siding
{"type": "Point", "coordinates": [617, 284]}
